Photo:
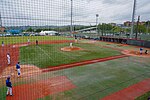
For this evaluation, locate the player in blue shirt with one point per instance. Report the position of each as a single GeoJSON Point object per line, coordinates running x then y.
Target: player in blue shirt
{"type": "Point", "coordinates": [9, 86]}
{"type": "Point", "coordinates": [141, 49]}
{"type": "Point", "coordinates": [18, 68]}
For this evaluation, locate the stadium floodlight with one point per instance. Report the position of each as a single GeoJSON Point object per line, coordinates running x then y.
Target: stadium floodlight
{"type": "Point", "coordinates": [97, 23]}
{"type": "Point", "coordinates": [71, 17]}
{"type": "Point", "coordinates": [133, 16]}
{"type": "Point", "coordinates": [0, 20]}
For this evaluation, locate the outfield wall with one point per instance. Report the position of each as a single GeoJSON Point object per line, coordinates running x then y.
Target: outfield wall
{"type": "Point", "coordinates": [126, 41]}
{"type": "Point", "coordinates": [139, 43]}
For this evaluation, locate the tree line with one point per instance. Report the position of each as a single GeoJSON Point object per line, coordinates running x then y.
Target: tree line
{"type": "Point", "coordinates": [102, 28]}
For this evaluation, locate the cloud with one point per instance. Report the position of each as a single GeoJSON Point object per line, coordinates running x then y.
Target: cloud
{"type": "Point", "coordinates": [57, 12]}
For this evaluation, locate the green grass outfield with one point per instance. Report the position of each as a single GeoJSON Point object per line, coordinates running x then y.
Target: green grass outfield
{"type": "Point", "coordinates": [23, 39]}
{"type": "Point", "coordinates": [144, 96]}
{"type": "Point", "coordinates": [52, 55]}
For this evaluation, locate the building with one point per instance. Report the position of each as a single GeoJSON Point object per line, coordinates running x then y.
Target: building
{"type": "Point", "coordinates": [43, 33]}
{"type": "Point", "coordinates": [128, 23]}
{"type": "Point", "coordinates": [2, 29]}
{"type": "Point", "coordinates": [113, 24]}
{"type": "Point", "coordinates": [14, 32]}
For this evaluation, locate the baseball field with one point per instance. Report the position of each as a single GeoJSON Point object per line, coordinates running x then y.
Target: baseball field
{"type": "Point", "coordinates": [97, 70]}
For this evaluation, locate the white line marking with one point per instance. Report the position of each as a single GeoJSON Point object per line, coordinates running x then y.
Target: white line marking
{"type": "Point", "coordinates": [45, 53]}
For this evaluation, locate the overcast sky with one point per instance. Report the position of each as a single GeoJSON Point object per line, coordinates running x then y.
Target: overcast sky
{"type": "Point", "coordinates": [57, 12]}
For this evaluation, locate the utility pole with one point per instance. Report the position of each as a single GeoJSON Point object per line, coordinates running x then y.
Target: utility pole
{"type": "Point", "coordinates": [137, 26]}
{"type": "Point", "coordinates": [133, 15]}
{"type": "Point", "coordinates": [0, 20]}
{"type": "Point", "coordinates": [97, 23]}
{"type": "Point", "coordinates": [102, 29]}
{"type": "Point", "coordinates": [71, 17]}
{"type": "Point", "coordinates": [148, 26]}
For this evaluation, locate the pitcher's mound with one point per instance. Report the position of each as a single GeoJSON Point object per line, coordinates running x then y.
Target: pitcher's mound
{"type": "Point", "coordinates": [135, 53]}
{"type": "Point", "coordinates": [26, 70]}
{"type": "Point", "coordinates": [71, 48]}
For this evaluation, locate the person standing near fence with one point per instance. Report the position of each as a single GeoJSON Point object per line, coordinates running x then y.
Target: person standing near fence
{"type": "Point", "coordinates": [9, 87]}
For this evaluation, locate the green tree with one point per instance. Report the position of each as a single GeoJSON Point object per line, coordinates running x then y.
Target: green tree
{"type": "Point", "coordinates": [30, 30]}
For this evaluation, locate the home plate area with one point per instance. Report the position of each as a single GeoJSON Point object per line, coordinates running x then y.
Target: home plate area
{"type": "Point", "coordinates": [41, 88]}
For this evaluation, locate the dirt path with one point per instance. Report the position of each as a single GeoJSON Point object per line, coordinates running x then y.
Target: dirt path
{"type": "Point", "coordinates": [131, 92]}
{"type": "Point", "coordinates": [41, 88]}
{"type": "Point", "coordinates": [26, 70]}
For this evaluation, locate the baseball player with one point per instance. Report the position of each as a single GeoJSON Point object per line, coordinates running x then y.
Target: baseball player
{"type": "Point", "coordinates": [146, 51]}
{"type": "Point", "coordinates": [36, 42]}
{"type": "Point", "coordinates": [76, 39]}
{"type": "Point", "coordinates": [8, 58]}
{"type": "Point", "coordinates": [18, 68]}
{"type": "Point", "coordinates": [141, 50]}
{"type": "Point", "coordinates": [71, 45]}
{"type": "Point", "coordinates": [9, 86]}
{"type": "Point", "coordinates": [2, 43]}
{"type": "Point", "coordinates": [28, 41]}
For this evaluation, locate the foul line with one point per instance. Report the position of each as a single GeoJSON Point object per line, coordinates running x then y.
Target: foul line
{"type": "Point", "coordinates": [45, 53]}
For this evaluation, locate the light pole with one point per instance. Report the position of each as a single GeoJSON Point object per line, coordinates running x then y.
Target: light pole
{"type": "Point", "coordinates": [71, 17]}
{"type": "Point", "coordinates": [0, 20]}
{"type": "Point", "coordinates": [148, 26]}
{"type": "Point", "coordinates": [133, 15]}
{"type": "Point", "coordinates": [97, 23]}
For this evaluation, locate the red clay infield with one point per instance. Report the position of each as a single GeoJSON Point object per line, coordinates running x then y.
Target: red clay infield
{"type": "Point", "coordinates": [41, 88]}
{"type": "Point", "coordinates": [14, 53]}
{"type": "Point", "coordinates": [131, 92]}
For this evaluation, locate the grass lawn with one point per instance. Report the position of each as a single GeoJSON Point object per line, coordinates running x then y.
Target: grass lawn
{"type": "Point", "coordinates": [98, 80]}
{"type": "Point", "coordinates": [51, 55]}
{"type": "Point", "coordinates": [144, 96]}
{"type": "Point", "coordinates": [22, 39]}
{"type": "Point", "coordinates": [3, 90]}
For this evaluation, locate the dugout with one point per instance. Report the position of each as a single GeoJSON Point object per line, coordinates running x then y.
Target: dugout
{"type": "Point", "coordinates": [112, 39]}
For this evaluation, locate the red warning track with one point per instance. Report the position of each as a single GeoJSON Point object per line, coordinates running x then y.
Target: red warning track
{"type": "Point", "coordinates": [41, 89]}
{"type": "Point", "coordinates": [131, 92]}
{"type": "Point", "coordinates": [82, 63]}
